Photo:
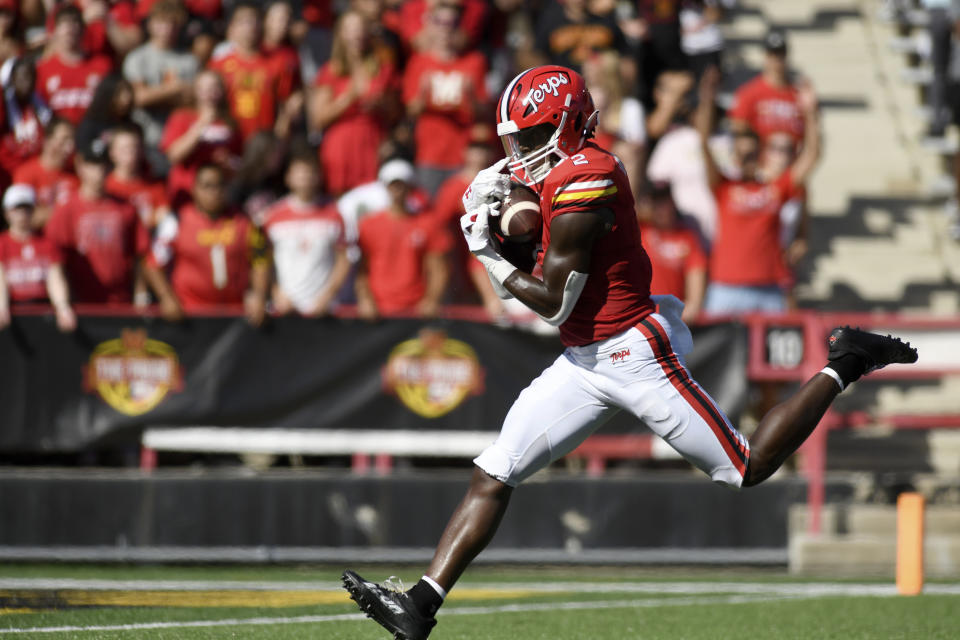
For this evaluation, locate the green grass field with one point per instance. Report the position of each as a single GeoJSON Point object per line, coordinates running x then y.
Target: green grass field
{"type": "Point", "coordinates": [73, 601]}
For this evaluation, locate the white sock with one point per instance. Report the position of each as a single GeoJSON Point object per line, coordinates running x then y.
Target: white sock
{"type": "Point", "coordinates": [436, 587]}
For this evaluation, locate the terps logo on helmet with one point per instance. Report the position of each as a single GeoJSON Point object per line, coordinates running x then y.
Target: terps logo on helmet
{"type": "Point", "coordinates": [550, 86]}
{"type": "Point", "coordinates": [433, 374]}
{"type": "Point", "coordinates": [133, 373]}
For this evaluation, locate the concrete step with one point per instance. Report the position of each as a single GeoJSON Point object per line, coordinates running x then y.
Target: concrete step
{"type": "Point", "coordinates": [868, 556]}
{"type": "Point", "coordinates": [881, 520]}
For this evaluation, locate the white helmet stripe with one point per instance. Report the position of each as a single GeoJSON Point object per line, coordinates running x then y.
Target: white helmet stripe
{"type": "Point", "coordinates": [505, 99]}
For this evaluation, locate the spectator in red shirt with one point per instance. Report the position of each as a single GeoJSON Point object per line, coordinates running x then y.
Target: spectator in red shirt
{"type": "Point", "coordinates": [354, 105]}
{"type": "Point", "coordinates": [50, 173]}
{"type": "Point", "coordinates": [678, 259]}
{"type": "Point", "coordinates": [281, 54]}
{"type": "Point", "coordinates": [252, 81]}
{"type": "Point", "coordinates": [770, 102]}
{"type": "Point", "coordinates": [102, 238]}
{"type": "Point", "coordinates": [67, 77]}
{"type": "Point", "coordinates": [31, 267]}
{"type": "Point", "coordinates": [403, 267]}
{"type": "Point", "coordinates": [444, 91]}
{"type": "Point", "coordinates": [747, 267]}
{"type": "Point", "coordinates": [23, 116]}
{"type": "Point", "coordinates": [129, 181]}
{"type": "Point", "coordinates": [199, 135]}
{"type": "Point", "coordinates": [215, 255]}
{"type": "Point", "coordinates": [307, 238]}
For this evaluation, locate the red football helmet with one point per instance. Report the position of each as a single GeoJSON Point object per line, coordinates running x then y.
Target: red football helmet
{"type": "Point", "coordinates": [545, 115]}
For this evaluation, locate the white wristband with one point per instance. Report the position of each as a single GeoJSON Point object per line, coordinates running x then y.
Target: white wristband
{"type": "Point", "coordinates": [497, 266]}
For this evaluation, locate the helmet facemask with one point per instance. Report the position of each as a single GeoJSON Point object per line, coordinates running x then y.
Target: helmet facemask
{"type": "Point", "coordinates": [534, 151]}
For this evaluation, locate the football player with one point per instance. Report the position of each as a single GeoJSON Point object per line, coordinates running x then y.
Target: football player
{"type": "Point", "coordinates": [624, 351]}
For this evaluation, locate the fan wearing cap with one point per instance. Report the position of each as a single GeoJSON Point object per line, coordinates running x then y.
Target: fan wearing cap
{"type": "Point", "coordinates": [403, 266]}
{"type": "Point", "coordinates": [31, 267]}
{"type": "Point", "coordinates": [102, 237]}
{"type": "Point", "coordinates": [769, 103]}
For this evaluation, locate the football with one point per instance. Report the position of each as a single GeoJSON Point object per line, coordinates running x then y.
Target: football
{"type": "Point", "coordinates": [520, 214]}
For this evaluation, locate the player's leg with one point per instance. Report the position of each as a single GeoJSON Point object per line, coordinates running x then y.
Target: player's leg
{"type": "Point", "coordinates": [681, 412]}
{"type": "Point", "coordinates": [852, 353]}
{"type": "Point", "coordinates": [548, 420]}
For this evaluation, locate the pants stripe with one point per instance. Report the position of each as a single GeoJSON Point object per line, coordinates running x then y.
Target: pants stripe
{"type": "Point", "coordinates": [701, 403]}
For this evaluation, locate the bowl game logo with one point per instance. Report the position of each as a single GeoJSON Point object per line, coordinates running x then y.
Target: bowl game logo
{"type": "Point", "coordinates": [432, 374]}
{"type": "Point", "coordinates": [133, 373]}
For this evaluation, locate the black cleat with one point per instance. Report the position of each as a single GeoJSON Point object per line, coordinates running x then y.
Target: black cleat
{"type": "Point", "coordinates": [875, 350]}
{"type": "Point", "coordinates": [393, 610]}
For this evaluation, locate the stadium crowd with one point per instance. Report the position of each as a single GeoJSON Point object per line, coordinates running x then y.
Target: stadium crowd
{"type": "Point", "coordinates": [289, 156]}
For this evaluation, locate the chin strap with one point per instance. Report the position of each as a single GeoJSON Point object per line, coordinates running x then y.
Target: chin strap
{"type": "Point", "coordinates": [571, 293]}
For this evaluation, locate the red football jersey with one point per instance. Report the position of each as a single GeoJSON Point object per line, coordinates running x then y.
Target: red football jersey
{"type": "Point", "coordinates": [673, 254]}
{"type": "Point", "coordinates": [617, 292]}
{"type": "Point", "coordinates": [68, 88]}
{"type": "Point", "coordinates": [209, 258]}
{"type": "Point", "coordinates": [394, 248]}
{"type": "Point", "coordinates": [746, 249]}
{"type": "Point", "coordinates": [18, 142]}
{"type": "Point", "coordinates": [453, 88]}
{"type": "Point", "coordinates": [768, 109]}
{"type": "Point", "coordinates": [101, 241]}
{"type": "Point", "coordinates": [26, 264]}
{"type": "Point", "coordinates": [52, 186]}
{"type": "Point", "coordinates": [251, 89]}
{"type": "Point", "coordinates": [146, 196]}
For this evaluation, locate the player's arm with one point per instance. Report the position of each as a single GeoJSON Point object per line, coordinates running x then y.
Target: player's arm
{"type": "Point", "coordinates": [565, 265]}
{"type": "Point", "coordinates": [810, 153]}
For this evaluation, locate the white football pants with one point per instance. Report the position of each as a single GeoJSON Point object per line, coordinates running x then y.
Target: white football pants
{"type": "Point", "coordinates": [636, 371]}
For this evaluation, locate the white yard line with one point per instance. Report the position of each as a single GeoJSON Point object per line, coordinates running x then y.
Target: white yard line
{"type": "Point", "coordinates": [675, 587]}
{"type": "Point", "coordinates": [454, 611]}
